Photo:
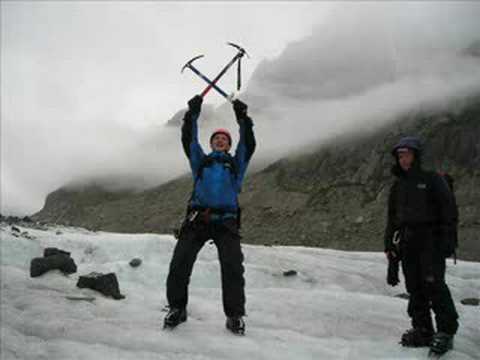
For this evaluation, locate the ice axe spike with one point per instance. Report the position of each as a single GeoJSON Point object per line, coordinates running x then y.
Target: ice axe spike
{"type": "Point", "coordinates": [207, 80]}
{"type": "Point", "coordinates": [239, 55]}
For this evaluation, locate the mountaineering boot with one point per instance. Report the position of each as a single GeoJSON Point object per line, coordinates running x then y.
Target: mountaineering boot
{"type": "Point", "coordinates": [174, 317]}
{"type": "Point", "coordinates": [416, 337]}
{"type": "Point", "coordinates": [441, 343]}
{"type": "Point", "coordinates": [236, 325]}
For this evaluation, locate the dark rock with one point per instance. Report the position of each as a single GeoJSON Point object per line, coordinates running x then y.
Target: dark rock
{"type": "Point", "coordinates": [54, 251]}
{"type": "Point", "coordinates": [62, 262]}
{"type": "Point", "coordinates": [135, 262]}
{"type": "Point", "coordinates": [403, 296]}
{"type": "Point", "coordinates": [107, 284]}
{"type": "Point", "coordinates": [290, 273]}
{"type": "Point", "coordinates": [471, 301]}
{"type": "Point", "coordinates": [58, 233]}
{"type": "Point", "coordinates": [15, 229]}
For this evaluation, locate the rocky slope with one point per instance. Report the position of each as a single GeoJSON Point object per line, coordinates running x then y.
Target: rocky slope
{"type": "Point", "coordinates": [333, 196]}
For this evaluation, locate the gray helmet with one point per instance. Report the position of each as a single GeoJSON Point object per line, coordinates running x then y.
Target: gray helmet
{"type": "Point", "coordinates": [409, 142]}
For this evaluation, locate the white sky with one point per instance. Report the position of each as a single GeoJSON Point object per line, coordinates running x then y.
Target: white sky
{"type": "Point", "coordinates": [125, 57]}
{"type": "Point", "coordinates": [337, 307]}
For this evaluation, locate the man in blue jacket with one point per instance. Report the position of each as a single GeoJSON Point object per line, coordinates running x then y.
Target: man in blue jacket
{"type": "Point", "coordinates": [213, 213]}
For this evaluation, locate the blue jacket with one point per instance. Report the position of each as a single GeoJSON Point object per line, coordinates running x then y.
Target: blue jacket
{"type": "Point", "coordinates": [217, 176]}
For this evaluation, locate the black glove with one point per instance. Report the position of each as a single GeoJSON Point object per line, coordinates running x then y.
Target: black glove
{"type": "Point", "coordinates": [240, 109]}
{"type": "Point", "coordinates": [195, 104]}
{"type": "Point", "coordinates": [393, 269]}
{"type": "Point", "coordinates": [448, 241]}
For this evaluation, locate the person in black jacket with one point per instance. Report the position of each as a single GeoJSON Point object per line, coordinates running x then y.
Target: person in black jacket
{"type": "Point", "coordinates": [421, 210]}
{"type": "Point", "coordinates": [213, 213]}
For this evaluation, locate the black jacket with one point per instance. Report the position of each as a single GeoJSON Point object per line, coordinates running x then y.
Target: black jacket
{"type": "Point", "coordinates": [417, 199]}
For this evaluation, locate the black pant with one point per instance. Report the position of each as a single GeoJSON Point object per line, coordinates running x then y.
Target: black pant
{"type": "Point", "coordinates": [192, 237]}
{"type": "Point", "coordinates": [423, 266]}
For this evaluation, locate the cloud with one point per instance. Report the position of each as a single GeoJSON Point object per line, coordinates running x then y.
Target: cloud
{"type": "Point", "coordinates": [363, 45]}
{"type": "Point", "coordinates": [363, 66]}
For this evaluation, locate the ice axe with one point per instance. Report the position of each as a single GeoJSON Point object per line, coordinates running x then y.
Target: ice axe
{"type": "Point", "coordinates": [212, 83]}
{"type": "Point", "coordinates": [206, 79]}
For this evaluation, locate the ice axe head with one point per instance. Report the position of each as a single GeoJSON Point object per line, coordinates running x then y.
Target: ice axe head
{"type": "Point", "coordinates": [240, 49]}
{"type": "Point", "coordinates": [189, 62]}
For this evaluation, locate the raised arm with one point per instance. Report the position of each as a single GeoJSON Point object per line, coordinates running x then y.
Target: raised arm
{"type": "Point", "coordinates": [190, 142]}
{"type": "Point", "coordinates": [246, 144]}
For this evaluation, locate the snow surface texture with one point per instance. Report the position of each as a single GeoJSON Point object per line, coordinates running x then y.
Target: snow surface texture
{"type": "Point", "coordinates": [338, 306]}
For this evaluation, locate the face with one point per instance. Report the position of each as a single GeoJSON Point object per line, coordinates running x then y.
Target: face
{"type": "Point", "coordinates": [220, 143]}
{"type": "Point", "coordinates": [405, 159]}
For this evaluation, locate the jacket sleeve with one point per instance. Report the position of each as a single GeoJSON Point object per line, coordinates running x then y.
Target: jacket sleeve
{"type": "Point", "coordinates": [246, 146]}
{"type": "Point", "coordinates": [391, 225]}
{"type": "Point", "coordinates": [190, 143]}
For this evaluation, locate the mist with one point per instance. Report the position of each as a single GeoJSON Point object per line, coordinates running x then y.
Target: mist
{"type": "Point", "coordinates": [361, 68]}
{"type": "Point", "coordinates": [358, 68]}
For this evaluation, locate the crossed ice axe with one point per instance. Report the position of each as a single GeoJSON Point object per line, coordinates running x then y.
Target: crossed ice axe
{"type": "Point", "coordinates": [213, 83]}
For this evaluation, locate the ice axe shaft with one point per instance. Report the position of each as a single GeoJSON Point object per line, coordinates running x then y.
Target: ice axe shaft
{"type": "Point", "coordinates": [210, 83]}
{"type": "Point", "coordinates": [203, 77]}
